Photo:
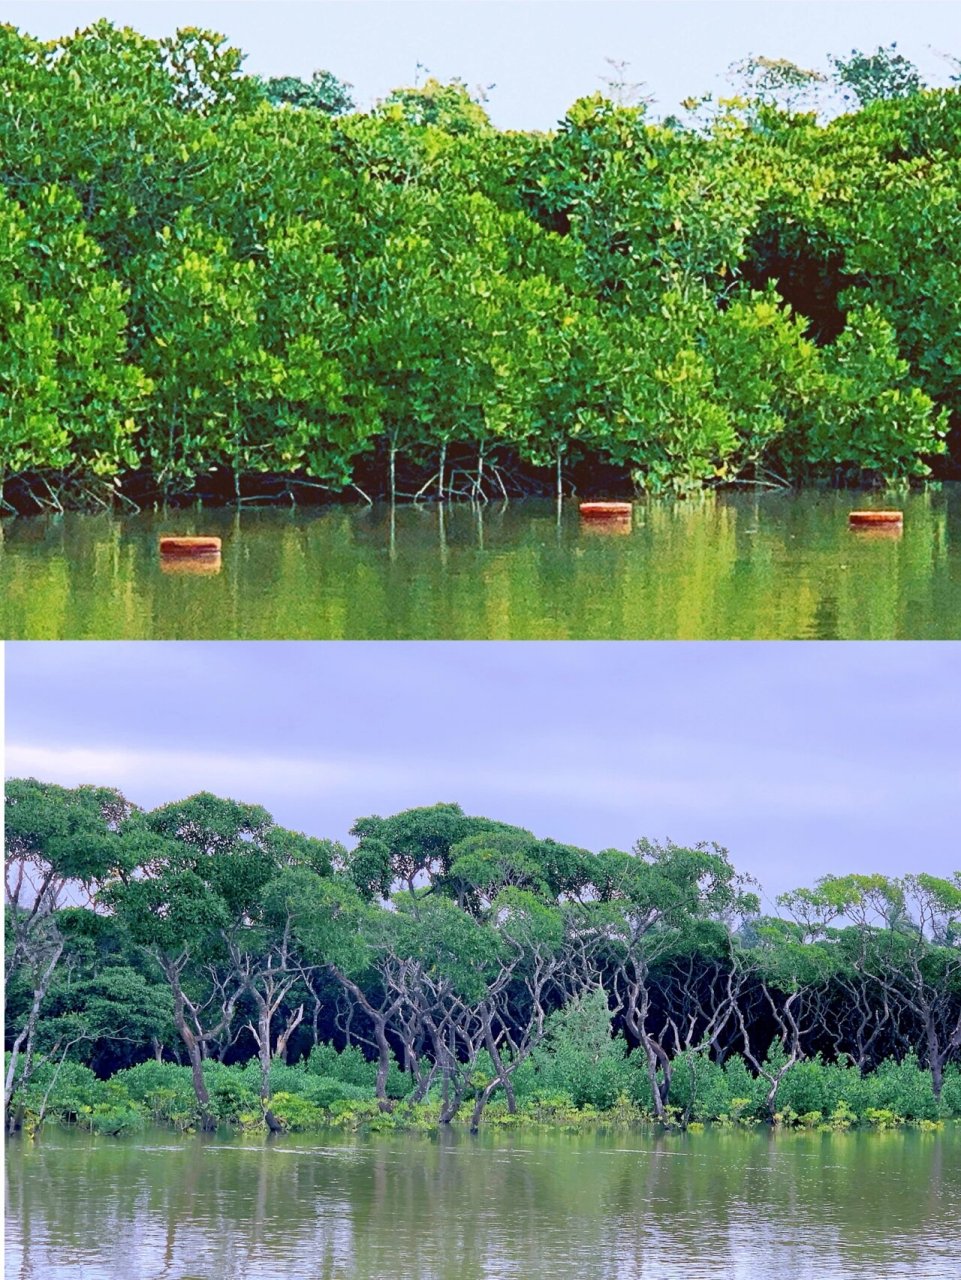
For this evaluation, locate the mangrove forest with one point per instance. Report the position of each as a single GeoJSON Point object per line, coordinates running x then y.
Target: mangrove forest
{"type": "Point", "coordinates": [198, 965]}
{"type": "Point", "coordinates": [221, 287]}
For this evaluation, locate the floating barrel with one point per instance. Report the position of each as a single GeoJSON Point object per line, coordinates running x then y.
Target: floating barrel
{"type": "Point", "coordinates": [606, 510]}
{"type": "Point", "coordinates": [177, 546]}
{"type": "Point", "coordinates": [875, 519]}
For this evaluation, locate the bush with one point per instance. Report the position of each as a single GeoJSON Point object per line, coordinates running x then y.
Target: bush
{"type": "Point", "coordinates": [951, 1092]}
{"type": "Point", "coordinates": [296, 1113]}
{"type": "Point", "coordinates": [351, 1067]}
{"type": "Point", "coordinates": [580, 1059]}
{"type": "Point", "coordinates": [578, 1078]}
{"type": "Point", "coordinates": [233, 1100]}
{"type": "Point", "coordinates": [903, 1088]}
{"type": "Point", "coordinates": [698, 1087]}
{"type": "Point", "coordinates": [115, 1121]}
{"type": "Point", "coordinates": [164, 1089]}
{"type": "Point", "coordinates": [76, 1091]}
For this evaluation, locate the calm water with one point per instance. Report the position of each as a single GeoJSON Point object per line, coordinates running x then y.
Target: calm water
{"type": "Point", "coordinates": [770, 567]}
{"type": "Point", "coordinates": [742, 1206]}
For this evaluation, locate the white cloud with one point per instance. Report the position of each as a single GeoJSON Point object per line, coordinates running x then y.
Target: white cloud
{"type": "Point", "coordinates": [173, 773]}
{"type": "Point", "coordinates": [657, 776]}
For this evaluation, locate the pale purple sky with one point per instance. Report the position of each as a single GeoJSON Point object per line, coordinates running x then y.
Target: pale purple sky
{"type": "Point", "coordinates": [541, 54]}
{"type": "Point", "coordinates": [801, 758]}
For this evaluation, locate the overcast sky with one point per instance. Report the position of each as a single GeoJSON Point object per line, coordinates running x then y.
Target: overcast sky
{"type": "Point", "coordinates": [801, 758]}
{"type": "Point", "coordinates": [541, 54]}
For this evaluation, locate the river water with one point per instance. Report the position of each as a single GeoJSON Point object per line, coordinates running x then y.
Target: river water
{"type": "Point", "coordinates": [738, 1205]}
{"type": "Point", "coordinates": [775, 566]}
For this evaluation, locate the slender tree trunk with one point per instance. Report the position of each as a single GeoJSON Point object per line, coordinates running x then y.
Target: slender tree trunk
{"type": "Point", "coordinates": [393, 475]}
{"type": "Point", "coordinates": [197, 1075]}
{"type": "Point", "coordinates": [379, 1021]}
{"type": "Point", "coordinates": [283, 1040]}
{"type": "Point", "coordinates": [383, 1068]}
{"type": "Point", "coordinates": [440, 480]}
{"type": "Point", "coordinates": [263, 1050]}
{"type": "Point", "coordinates": [660, 1089]}
{"type": "Point", "coordinates": [637, 1005]}
{"type": "Point", "coordinates": [451, 1104]}
{"type": "Point", "coordinates": [13, 1122]}
{"type": "Point", "coordinates": [53, 1080]}
{"type": "Point", "coordinates": [25, 1040]}
{"type": "Point", "coordinates": [194, 1047]}
{"type": "Point", "coordinates": [503, 1075]}
{"type": "Point", "coordinates": [936, 1059]}
{"type": "Point", "coordinates": [481, 1100]}
{"type": "Point", "coordinates": [424, 1081]}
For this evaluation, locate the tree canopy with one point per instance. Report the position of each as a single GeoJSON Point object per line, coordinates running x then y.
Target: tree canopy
{"type": "Point", "coordinates": [220, 286]}
{"type": "Point", "coordinates": [455, 950]}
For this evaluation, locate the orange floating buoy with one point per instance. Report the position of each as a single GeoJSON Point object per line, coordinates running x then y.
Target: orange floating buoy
{"type": "Point", "coordinates": [874, 519]}
{"type": "Point", "coordinates": [177, 546]}
{"type": "Point", "coordinates": [606, 510]}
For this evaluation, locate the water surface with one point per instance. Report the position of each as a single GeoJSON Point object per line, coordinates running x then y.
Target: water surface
{"type": "Point", "coordinates": [777, 566]}
{"type": "Point", "coordinates": [742, 1206]}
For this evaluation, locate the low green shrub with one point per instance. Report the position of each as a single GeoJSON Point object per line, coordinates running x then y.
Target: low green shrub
{"type": "Point", "coordinates": [164, 1089]}
{"type": "Point", "coordinates": [350, 1066]}
{"type": "Point", "coordinates": [65, 1091]}
{"type": "Point", "coordinates": [116, 1120]}
{"type": "Point", "coordinates": [564, 1084]}
{"type": "Point", "coordinates": [296, 1113]}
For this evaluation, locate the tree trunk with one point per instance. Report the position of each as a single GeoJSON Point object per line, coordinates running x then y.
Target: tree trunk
{"type": "Point", "coordinates": [197, 1074]}
{"type": "Point", "coordinates": [26, 1037]}
{"type": "Point", "coordinates": [263, 1050]}
{"type": "Point", "coordinates": [193, 1046]}
{"type": "Point", "coordinates": [660, 1089]}
{"type": "Point", "coordinates": [379, 1020]}
{"type": "Point", "coordinates": [283, 1040]}
{"type": "Point", "coordinates": [383, 1068]}
{"type": "Point", "coordinates": [936, 1057]}
{"type": "Point", "coordinates": [481, 1099]}
{"type": "Point", "coordinates": [450, 1108]}
{"type": "Point", "coordinates": [503, 1075]}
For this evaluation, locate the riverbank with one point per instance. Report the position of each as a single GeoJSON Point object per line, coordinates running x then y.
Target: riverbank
{"type": "Point", "coordinates": [330, 1090]}
{"type": "Point", "coordinates": [501, 477]}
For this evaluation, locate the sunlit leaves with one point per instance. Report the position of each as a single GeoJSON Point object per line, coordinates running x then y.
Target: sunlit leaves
{"type": "Point", "coordinates": [195, 281]}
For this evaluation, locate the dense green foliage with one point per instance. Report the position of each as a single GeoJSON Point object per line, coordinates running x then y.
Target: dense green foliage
{"type": "Point", "coordinates": [198, 964]}
{"type": "Point", "coordinates": [212, 284]}
{"type": "Point", "coordinates": [562, 1088]}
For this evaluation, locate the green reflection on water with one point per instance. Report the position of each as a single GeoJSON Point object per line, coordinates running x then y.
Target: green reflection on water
{"type": "Point", "coordinates": [729, 1204]}
{"type": "Point", "coordinates": [731, 567]}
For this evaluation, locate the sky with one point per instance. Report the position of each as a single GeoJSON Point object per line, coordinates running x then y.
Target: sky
{"type": "Point", "coordinates": [801, 759]}
{"type": "Point", "coordinates": [541, 55]}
